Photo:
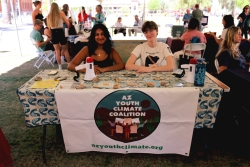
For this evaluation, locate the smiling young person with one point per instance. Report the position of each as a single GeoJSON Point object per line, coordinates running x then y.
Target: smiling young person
{"type": "Point", "coordinates": [151, 55]}
{"type": "Point", "coordinates": [229, 55]}
{"type": "Point", "coordinates": [100, 49]}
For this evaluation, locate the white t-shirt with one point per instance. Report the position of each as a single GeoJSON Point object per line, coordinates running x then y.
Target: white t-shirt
{"type": "Point", "coordinates": [118, 24]}
{"type": "Point", "coordinates": [158, 54]}
{"type": "Point", "coordinates": [223, 34]}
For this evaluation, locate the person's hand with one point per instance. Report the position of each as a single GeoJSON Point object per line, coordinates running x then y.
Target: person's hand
{"type": "Point", "coordinates": [211, 33]}
{"type": "Point", "coordinates": [101, 70]}
{"type": "Point", "coordinates": [96, 70]}
{"type": "Point", "coordinates": [145, 69]}
{"type": "Point", "coordinates": [48, 39]}
{"type": "Point", "coordinates": [240, 18]}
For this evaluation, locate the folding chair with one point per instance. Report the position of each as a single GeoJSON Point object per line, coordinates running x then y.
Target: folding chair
{"type": "Point", "coordinates": [189, 47]}
{"type": "Point", "coordinates": [48, 56]}
{"type": "Point", "coordinates": [194, 47]}
{"type": "Point", "coordinates": [216, 64]}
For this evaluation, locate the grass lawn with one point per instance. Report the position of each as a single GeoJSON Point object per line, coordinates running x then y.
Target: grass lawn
{"type": "Point", "coordinates": [26, 142]}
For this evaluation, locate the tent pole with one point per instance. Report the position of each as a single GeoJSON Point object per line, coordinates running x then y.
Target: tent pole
{"type": "Point", "coordinates": [11, 4]}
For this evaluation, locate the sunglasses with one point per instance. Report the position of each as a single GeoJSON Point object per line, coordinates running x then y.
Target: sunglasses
{"type": "Point", "coordinates": [246, 8]}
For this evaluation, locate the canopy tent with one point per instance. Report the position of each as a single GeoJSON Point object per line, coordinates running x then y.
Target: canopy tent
{"type": "Point", "coordinates": [77, 3]}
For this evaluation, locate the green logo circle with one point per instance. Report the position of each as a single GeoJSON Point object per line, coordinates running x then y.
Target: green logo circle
{"type": "Point", "coordinates": [127, 115]}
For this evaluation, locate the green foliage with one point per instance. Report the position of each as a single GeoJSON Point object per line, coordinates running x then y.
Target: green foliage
{"type": "Point", "coordinates": [184, 4]}
{"type": "Point", "coordinates": [164, 5]}
{"type": "Point", "coordinates": [150, 126]}
{"type": "Point", "coordinates": [242, 3]}
{"type": "Point", "coordinates": [229, 4]}
{"type": "Point", "coordinates": [98, 121]}
{"type": "Point", "coordinates": [154, 5]}
{"type": "Point", "coordinates": [125, 10]}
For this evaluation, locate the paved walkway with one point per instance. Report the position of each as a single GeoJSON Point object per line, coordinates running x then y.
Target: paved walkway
{"type": "Point", "coordinates": [11, 55]}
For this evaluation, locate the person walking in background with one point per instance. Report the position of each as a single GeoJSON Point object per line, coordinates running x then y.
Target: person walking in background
{"type": "Point", "coordinates": [198, 14]}
{"type": "Point", "coordinates": [100, 48]}
{"type": "Point", "coordinates": [55, 21]}
{"type": "Point", "coordinates": [227, 22]}
{"type": "Point", "coordinates": [177, 18]}
{"type": "Point", "coordinates": [37, 14]}
{"type": "Point", "coordinates": [66, 12]}
{"type": "Point", "coordinates": [137, 26]}
{"type": "Point", "coordinates": [186, 17]}
{"type": "Point", "coordinates": [244, 20]}
{"type": "Point", "coordinates": [119, 28]}
{"type": "Point", "coordinates": [99, 17]}
{"type": "Point", "coordinates": [82, 17]}
{"type": "Point", "coordinates": [229, 56]}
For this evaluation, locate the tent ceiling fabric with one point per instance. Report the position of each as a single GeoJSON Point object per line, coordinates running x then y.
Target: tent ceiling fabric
{"type": "Point", "coordinates": [77, 3]}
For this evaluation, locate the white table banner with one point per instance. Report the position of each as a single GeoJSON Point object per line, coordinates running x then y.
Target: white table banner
{"type": "Point", "coordinates": [157, 121]}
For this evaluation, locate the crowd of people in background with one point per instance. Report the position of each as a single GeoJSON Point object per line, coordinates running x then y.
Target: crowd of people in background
{"type": "Point", "coordinates": [147, 57]}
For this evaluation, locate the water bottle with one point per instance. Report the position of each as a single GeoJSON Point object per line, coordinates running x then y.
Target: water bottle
{"type": "Point", "coordinates": [200, 72]}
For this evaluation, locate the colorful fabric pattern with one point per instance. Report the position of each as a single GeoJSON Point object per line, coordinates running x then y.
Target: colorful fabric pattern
{"type": "Point", "coordinates": [40, 106]}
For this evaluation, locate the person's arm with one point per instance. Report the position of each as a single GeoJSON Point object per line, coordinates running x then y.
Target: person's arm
{"type": "Point", "coordinates": [48, 32]}
{"type": "Point", "coordinates": [223, 60]}
{"type": "Point", "coordinates": [119, 65]}
{"type": "Point", "coordinates": [39, 44]}
{"type": "Point", "coordinates": [34, 13]}
{"type": "Point", "coordinates": [130, 64]}
{"type": "Point", "coordinates": [79, 16]}
{"type": "Point", "coordinates": [239, 17]}
{"type": "Point", "coordinates": [222, 68]}
{"type": "Point", "coordinates": [100, 18]}
{"type": "Point", "coordinates": [66, 21]}
{"type": "Point", "coordinates": [78, 59]}
{"type": "Point", "coordinates": [184, 18]}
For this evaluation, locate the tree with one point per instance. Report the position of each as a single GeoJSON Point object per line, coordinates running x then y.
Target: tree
{"type": "Point", "coordinates": [6, 18]}
{"type": "Point", "coordinates": [163, 5]}
{"type": "Point", "coordinates": [184, 4]}
{"type": "Point", "coordinates": [154, 5]}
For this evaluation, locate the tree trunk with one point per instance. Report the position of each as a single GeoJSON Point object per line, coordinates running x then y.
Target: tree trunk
{"type": "Point", "coordinates": [6, 18]}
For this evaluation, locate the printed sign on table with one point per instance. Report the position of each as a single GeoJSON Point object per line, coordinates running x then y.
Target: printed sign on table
{"type": "Point", "coordinates": [155, 121]}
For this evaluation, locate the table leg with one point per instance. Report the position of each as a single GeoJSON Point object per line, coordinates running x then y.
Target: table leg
{"type": "Point", "coordinates": [43, 144]}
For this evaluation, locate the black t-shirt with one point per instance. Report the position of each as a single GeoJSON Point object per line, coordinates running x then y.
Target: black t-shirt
{"type": "Point", "coordinates": [225, 59]}
{"type": "Point", "coordinates": [245, 50]}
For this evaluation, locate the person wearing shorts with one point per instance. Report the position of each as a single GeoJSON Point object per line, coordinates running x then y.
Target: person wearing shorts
{"type": "Point", "coordinates": [55, 23]}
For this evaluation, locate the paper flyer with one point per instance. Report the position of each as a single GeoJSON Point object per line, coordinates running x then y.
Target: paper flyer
{"type": "Point", "coordinates": [48, 83]}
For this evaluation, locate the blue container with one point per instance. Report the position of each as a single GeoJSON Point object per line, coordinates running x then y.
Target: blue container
{"type": "Point", "coordinates": [200, 74]}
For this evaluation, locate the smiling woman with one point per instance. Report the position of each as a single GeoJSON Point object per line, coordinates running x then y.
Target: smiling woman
{"type": "Point", "coordinates": [105, 57]}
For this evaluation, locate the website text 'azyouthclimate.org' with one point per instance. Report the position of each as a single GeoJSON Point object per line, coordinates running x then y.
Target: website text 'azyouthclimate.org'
{"type": "Point", "coordinates": [117, 146]}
